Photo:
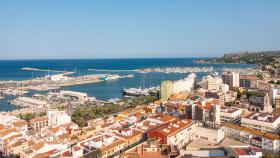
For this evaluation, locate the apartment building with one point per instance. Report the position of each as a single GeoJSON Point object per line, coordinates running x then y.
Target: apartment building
{"type": "Point", "coordinates": [39, 123]}
{"type": "Point", "coordinates": [167, 88]}
{"type": "Point", "coordinates": [57, 118]}
{"type": "Point", "coordinates": [229, 114]}
{"type": "Point", "coordinates": [267, 122]}
{"type": "Point", "coordinates": [231, 79]}
{"type": "Point", "coordinates": [205, 111]}
{"type": "Point", "coordinates": [177, 133]}
{"type": "Point", "coordinates": [264, 140]}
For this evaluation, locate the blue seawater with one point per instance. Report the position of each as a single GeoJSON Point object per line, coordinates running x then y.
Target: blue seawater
{"type": "Point", "coordinates": [12, 70]}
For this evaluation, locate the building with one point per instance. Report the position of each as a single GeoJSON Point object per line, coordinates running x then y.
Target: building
{"type": "Point", "coordinates": [57, 118]}
{"type": "Point", "coordinates": [177, 133]}
{"type": "Point", "coordinates": [102, 145]}
{"type": "Point", "coordinates": [175, 109]}
{"type": "Point", "coordinates": [58, 77]}
{"type": "Point", "coordinates": [266, 122]}
{"type": "Point", "coordinates": [72, 94]}
{"type": "Point", "coordinates": [231, 79]}
{"type": "Point", "coordinates": [21, 125]}
{"type": "Point", "coordinates": [210, 82]}
{"type": "Point", "coordinates": [260, 139]}
{"type": "Point", "coordinates": [205, 153]}
{"type": "Point", "coordinates": [152, 122]}
{"type": "Point", "coordinates": [30, 102]}
{"type": "Point", "coordinates": [213, 136]}
{"type": "Point", "coordinates": [130, 136]}
{"type": "Point", "coordinates": [187, 84]}
{"type": "Point", "coordinates": [166, 89]}
{"type": "Point", "coordinates": [273, 94]}
{"type": "Point", "coordinates": [216, 95]}
{"type": "Point", "coordinates": [248, 81]}
{"type": "Point", "coordinates": [42, 149]}
{"type": "Point", "coordinates": [152, 148]}
{"type": "Point", "coordinates": [206, 112]}
{"type": "Point", "coordinates": [245, 152]}
{"type": "Point", "coordinates": [230, 114]}
{"type": "Point", "coordinates": [230, 96]}
{"type": "Point", "coordinates": [267, 107]}
{"type": "Point", "coordinates": [39, 123]}
{"type": "Point", "coordinates": [277, 103]}
{"type": "Point", "coordinates": [7, 136]}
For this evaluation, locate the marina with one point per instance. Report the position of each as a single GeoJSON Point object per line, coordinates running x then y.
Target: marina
{"type": "Point", "coordinates": [103, 85]}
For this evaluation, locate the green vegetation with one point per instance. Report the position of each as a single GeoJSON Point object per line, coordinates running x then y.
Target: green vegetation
{"type": "Point", "coordinates": [82, 115]}
{"type": "Point", "coordinates": [267, 60]}
{"type": "Point", "coordinates": [27, 117]}
{"type": "Point", "coordinates": [263, 58]}
{"type": "Point", "coordinates": [250, 94]}
{"type": "Point", "coordinates": [229, 104]}
{"type": "Point", "coordinates": [140, 100]}
{"type": "Point", "coordinates": [273, 82]}
{"type": "Point", "coordinates": [260, 76]}
{"type": "Point", "coordinates": [30, 116]}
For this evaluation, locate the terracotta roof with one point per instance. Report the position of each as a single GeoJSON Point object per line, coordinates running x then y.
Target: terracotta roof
{"type": "Point", "coordinates": [248, 77]}
{"type": "Point", "coordinates": [13, 137]}
{"type": "Point", "coordinates": [114, 144]}
{"type": "Point", "coordinates": [64, 136]}
{"type": "Point", "coordinates": [163, 117]}
{"type": "Point", "coordinates": [245, 150]}
{"type": "Point", "coordinates": [2, 127]}
{"type": "Point", "coordinates": [253, 131]}
{"type": "Point", "coordinates": [174, 127]}
{"type": "Point", "coordinates": [54, 130]}
{"type": "Point", "coordinates": [134, 134]}
{"type": "Point", "coordinates": [233, 126]}
{"type": "Point", "coordinates": [20, 123]}
{"type": "Point", "coordinates": [38, 119]}
{"type": "Point", "coordinates": [17, 143]}
{"type": "Point", "coordinates": [39, 145]}
{"type": "Point", "coordinates": [44, 155]}
{"type": "Point", "coordinates": [271, 136]}
{"type": "Point", "coordinates": [7, 131]}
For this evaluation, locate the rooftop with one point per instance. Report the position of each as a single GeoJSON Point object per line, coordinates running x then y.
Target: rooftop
{"type": "Point", "coordinates": [229, 109]}
{"type": "Point", "coordinates": [245, 150]}
{"type": "Point", "coordinates": [264, 117]}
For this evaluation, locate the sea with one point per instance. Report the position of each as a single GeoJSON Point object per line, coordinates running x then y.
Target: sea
{"type": "Point", "coordinates": [12, 70]}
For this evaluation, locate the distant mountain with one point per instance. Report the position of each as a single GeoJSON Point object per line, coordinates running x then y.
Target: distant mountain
{"type": "Point", "coordinates": [262, 57]}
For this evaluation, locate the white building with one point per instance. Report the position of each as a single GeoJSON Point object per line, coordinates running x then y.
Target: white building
{"type": "Point", "coordinates": [261, 121]}
{"type": "Point", "coordinates": [78, 95]}
{"type": "Point", "coordinates": [58, 77]}
{"type": "Point", "coordinates": [264, 140]}
{"type": "Point", "coordinates": [57, 118]}
{"type": "Point", "coordinates": [229, 114]}
{"type": "Point", "coordinates": [235, 79]}
{"type": "Point", "coordinates": [187, 84]}
{"type": "Point", "coordinates": [273, 93]}
{"type": "Point", "coordinates": [223, 88]}
{"type": "Point", "coordinates": [212, 136]}
{"type": "Point", "coordinates": [211, 82]}
{"type": "Point", "coordinates": [267, 105]}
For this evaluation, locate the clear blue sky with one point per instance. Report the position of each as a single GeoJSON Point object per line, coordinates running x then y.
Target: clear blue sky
{"type": "Point", "coordinates": [136, 28]}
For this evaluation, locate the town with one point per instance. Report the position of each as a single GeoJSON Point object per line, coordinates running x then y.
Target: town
{"type": "Point", "coordinates": [228, 114]}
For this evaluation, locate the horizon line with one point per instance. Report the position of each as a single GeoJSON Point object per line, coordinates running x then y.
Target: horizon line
{"type": "Point", "coordinates": [105, 58]}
